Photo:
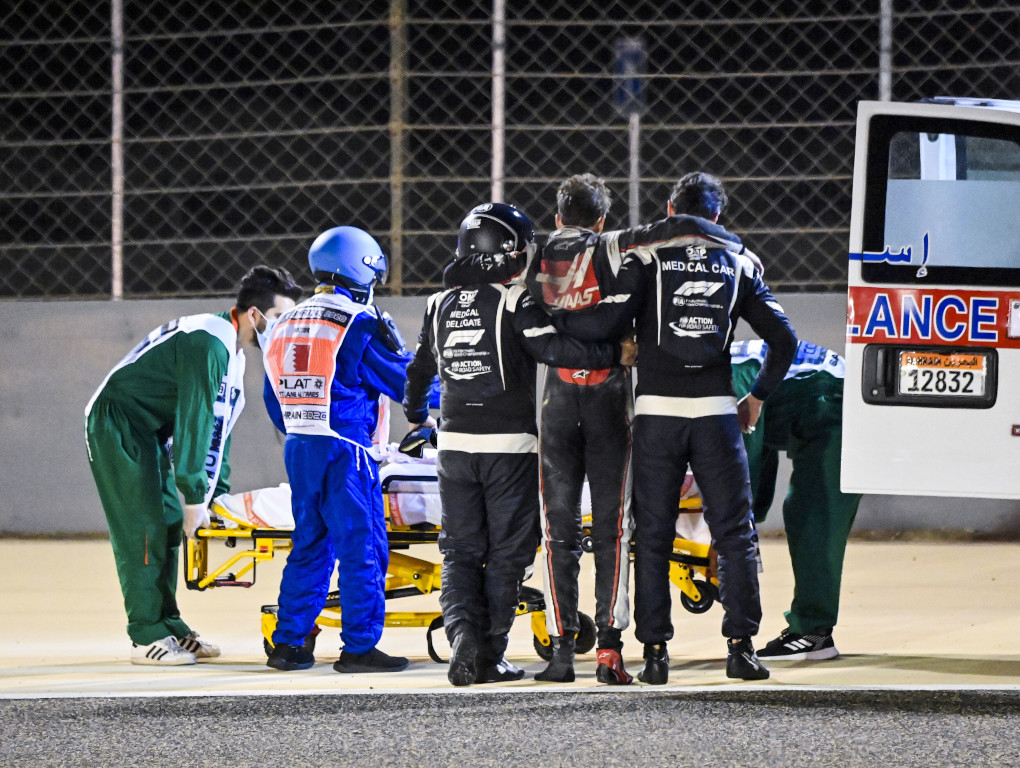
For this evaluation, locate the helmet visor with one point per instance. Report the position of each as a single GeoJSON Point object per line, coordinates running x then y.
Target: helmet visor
{"type": "Point", "coordinates": [382, 271]}
{"type": "Point", "coordinates": [380, 265]}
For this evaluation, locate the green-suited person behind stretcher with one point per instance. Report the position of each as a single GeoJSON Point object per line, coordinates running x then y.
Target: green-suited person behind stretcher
{"type": "Point", "coordinates": [160, 424]}
{"type": "Point", "coordinates": [804, 417]}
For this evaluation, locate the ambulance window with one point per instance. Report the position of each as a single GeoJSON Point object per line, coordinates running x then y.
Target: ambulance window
{"type": "Point", "coordinates": [948, 202]}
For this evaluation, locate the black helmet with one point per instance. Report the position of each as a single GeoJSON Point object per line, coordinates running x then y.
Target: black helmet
{"type": "Point", "coordinates": [494, 229]}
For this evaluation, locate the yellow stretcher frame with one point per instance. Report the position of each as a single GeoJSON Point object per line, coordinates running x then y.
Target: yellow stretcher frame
{"type": "Point", "coordinates": [408, 576]}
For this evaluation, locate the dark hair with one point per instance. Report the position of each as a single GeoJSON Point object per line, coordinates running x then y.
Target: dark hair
{"type": "Point", "coordinates": [260, 287]}
{"type": "Point", "coordinates": [699, 194]}
{"type": "Point", "coordinates": [582, 200]}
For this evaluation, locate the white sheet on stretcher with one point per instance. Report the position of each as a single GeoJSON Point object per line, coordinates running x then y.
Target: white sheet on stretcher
{"type": "Point", "coordinates": [411, 501]}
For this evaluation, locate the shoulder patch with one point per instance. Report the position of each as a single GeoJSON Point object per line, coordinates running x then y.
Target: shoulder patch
{"type": "Point", "coordinates": [516, 295]}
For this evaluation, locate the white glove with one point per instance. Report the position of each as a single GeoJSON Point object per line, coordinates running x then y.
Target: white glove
{"type": "Point", "coordinates": [195, 517]}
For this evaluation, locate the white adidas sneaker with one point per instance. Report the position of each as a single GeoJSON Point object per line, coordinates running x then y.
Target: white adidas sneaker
{"type": "Point", "coordinates": [202, 649]}
{"type": "Point", "coordinates": [165, 652]}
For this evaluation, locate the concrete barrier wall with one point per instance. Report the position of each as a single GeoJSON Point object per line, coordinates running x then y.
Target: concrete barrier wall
{"type": "Point", "coordinates": [53, 355]}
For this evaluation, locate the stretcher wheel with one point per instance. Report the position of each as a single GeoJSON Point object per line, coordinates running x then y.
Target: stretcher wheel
{"type": "Point", "coordinates": [544, 652]}
{"type": "Point", "coordinates": [586, 638]}
{"type": "Point", "coordinates": [709, 594]}
{"type": "Point", "coordinates": [587, 635]}
{"type": "Point", "coordinates": [309, 643]}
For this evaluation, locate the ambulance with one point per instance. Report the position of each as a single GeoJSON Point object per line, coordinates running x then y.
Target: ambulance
{"type": "Point", "coordinates": [932, 391]}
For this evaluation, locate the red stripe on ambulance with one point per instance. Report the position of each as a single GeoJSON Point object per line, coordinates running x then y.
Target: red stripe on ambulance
{"type": "Point", "coordinates": [953, 317]}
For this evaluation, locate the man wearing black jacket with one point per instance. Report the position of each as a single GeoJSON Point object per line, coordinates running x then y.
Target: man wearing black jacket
{"type": "Point", "coordinates": [585, 429]}
{"type": "Point", "coordinates": [687, 300]}
{"type": "Point", "coordinates": [482, 335]}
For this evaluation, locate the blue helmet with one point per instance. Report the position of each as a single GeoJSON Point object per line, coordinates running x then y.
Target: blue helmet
{"type": "Point", "coordinates": [349, 257]}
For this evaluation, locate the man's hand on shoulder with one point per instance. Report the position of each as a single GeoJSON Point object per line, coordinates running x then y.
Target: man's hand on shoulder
{"type": "Point", "coordinates": [628, 351]}
{"type": "Point", "coordinates": [755, 260]}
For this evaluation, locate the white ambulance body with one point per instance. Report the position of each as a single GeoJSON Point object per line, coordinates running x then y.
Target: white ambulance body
{"type": "Point", "coordinates": [932, 393]}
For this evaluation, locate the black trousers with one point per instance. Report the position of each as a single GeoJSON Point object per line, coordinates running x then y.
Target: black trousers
{"type": "Point", "coordinates": [489, 538]}
{"type": "Point", "coordinates": [712, 445]}
{"type": "Point", "coordinates": [586, 431]}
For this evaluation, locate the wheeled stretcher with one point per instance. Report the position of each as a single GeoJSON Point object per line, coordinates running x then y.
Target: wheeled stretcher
{"type": "Point", "coordinates": [254, 526]}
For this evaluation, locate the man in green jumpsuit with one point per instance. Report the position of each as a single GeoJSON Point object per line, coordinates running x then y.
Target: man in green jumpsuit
{"type": "Point", "coordinates": [804, 417]}
{"type": "Point", "coordinates": [184, 381]}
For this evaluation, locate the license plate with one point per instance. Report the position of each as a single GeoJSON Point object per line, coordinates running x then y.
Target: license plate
{"type": "Point", "coordinates": [947, 374]}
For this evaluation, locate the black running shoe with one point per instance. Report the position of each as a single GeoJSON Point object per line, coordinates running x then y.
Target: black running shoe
{"type": "Point", "coordinates": [500, 672]}
{"type": "Point", "coordinates": [742, 662]}
{"type": "Point", "coordinates": [287, 657]}
{"type": "Point", "coordinates": [790, 646]}
{"type": "Point", "coordinates": [656, 669]}
{"type": "Point", "coordinates": [463, 659]}
{"type": "Point", "coordinates": [373, 661]}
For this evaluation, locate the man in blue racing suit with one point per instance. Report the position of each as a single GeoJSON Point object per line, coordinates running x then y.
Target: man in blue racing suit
{"type": "Point", "coordinates": [327, 361]}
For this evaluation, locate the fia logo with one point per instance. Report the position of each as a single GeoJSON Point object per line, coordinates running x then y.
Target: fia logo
{"type": "Point", "coordinates": [698, 288]}
{"type": "Point", "coordinates": [464, 337]}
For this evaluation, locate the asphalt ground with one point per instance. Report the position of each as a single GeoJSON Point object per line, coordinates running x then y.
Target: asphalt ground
{"type": "Point", "coordinates": [608, 728]}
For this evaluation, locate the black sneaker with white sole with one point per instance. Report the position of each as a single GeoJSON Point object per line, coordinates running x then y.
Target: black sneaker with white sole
{"type": "Point", "coordinates": [742, 662]}
{"type": "Point", "coordinates": [790, 646]}
{"type": "Point", "coordinates": [500, 672]}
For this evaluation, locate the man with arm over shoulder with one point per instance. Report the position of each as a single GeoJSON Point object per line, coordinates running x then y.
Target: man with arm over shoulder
{"type": "Point", "coordinates": [687, 298]}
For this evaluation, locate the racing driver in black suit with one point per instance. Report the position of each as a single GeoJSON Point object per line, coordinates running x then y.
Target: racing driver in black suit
{"type": "Point", "coordinates": [483, 335]}
{"type": "Point", "coordinates": [687, 299]}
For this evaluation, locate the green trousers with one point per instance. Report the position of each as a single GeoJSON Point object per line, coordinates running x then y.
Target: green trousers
{"type": "Point", "coordinates": [804, 417]}
{"type": "Point", "coordinates": [136, 486]}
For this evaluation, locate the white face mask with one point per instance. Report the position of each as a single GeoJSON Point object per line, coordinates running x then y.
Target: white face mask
{"type": "Point", "coordinates": [262, 337]}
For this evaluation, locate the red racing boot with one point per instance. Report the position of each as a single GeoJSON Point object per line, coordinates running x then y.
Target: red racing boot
{"type": "Point", "coordinates": [610, 668]}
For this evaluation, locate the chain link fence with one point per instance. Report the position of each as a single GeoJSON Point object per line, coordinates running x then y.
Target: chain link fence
{"type": "Point", "coordinates": [250, 127]}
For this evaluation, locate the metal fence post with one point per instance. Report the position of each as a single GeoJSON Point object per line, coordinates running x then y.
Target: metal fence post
{"type": "Point", "coordinates": [398, 122]}
{"type": "Point", "coordinates": [117, 150]}
{"type": "Point", "coordinates": [885, 51]}
{"type": "Point", "coordinates": [498, 97]}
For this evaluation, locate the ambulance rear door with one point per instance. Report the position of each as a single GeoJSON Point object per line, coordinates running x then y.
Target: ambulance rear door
{"type": "Point", "coordinates": [932, 391]}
